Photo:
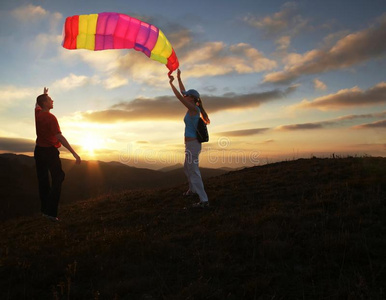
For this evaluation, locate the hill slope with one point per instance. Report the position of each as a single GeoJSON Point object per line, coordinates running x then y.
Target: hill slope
{"type": "Point", "coordinates": [19, 188]}
{"type": "Point", "coordinates": [305, 229]}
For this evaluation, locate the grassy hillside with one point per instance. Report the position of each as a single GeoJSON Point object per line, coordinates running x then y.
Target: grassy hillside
{"type": "Point", "coordinates": [19, 187]}
{"type": "Point", "coordinates": [304, 229]}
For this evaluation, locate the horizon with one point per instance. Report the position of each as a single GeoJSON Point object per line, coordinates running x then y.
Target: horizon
{"type": "Point", "coordinates": [279, 80]}
{"type": "Point", "coordinates": [170, 167]}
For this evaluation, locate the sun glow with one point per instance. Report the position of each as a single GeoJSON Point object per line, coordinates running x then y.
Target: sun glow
{"type": "Point", "coordinates": [90, 144]}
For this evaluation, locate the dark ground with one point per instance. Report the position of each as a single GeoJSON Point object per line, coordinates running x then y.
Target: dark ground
{"type": "Point", "coordinates": [304, 229]}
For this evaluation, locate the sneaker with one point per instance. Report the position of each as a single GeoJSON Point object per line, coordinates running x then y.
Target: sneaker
{"type": "Point", "coordinates": [53, 219]}
{"type": "Point", "coordinates": [201, 204]}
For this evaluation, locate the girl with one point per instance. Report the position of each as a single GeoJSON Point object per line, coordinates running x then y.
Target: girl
{"type": "Point", "coordinates": [191, 99]}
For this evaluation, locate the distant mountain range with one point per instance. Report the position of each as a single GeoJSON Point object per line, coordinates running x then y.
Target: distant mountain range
{"type": "Point", "coordinates": [19, 189]}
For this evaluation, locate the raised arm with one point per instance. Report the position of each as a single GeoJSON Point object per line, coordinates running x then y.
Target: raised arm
{"type": "Point", "coordinates": [188, 105]}
{"type": "Point", "coordinates": [180, 84]}
{"type": "Point", "coordinates": [66, 144]}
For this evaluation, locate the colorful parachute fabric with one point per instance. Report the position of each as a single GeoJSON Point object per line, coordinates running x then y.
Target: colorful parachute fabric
{"type": "Point", "coordinates": [118, 31]}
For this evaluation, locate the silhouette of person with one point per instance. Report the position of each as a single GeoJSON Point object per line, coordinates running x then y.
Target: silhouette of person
{"type": "Point", "coordinates": [192, 101]}
{"type": "Point", "coordinates": [46, 154]}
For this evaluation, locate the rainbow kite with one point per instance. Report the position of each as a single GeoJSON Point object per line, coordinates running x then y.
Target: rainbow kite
{"type": "Point", "coordinates": [118, 31]}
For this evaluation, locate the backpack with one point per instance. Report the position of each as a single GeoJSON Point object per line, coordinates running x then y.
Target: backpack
{"type": "Point", "coordinates": [202, 131]}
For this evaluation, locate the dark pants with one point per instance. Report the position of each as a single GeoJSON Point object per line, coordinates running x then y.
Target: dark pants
{"type": "Point", "coordinates": [48, 162]}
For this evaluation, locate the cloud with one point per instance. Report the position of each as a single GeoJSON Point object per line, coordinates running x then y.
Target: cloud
{"type": "Point", "coordinates": [134, 66]}
{"type": "Point", "coordinates": [234, 101]}
{"type": "Point", "coordinates": [74, 81]}
{"type": "Point", "coordinates": [331, 39]}
{"type": "Point", "coordinates": [180, 38]}
{"type": "Point", "coordinates": [250, 56]}
{"type": "Point", "coordinates": [286, 21]}
{"type": "Point", "coordinates": [319, 85]}
{"type": "Point", "coordinates": [40, 30]}
{"type": "Point", "coordinates": [29, 13]}
{"type": "Point", "coordinates": [32, 13]}
{"type": "Point", "coordinates": [168, 107]}
{"type": "Point", "coordinates": [268, 141]}
{"type": "Point", "coordinates": [103, 61]}
{"type": "Point", "coordinates": [55, 19]}
{"type": "Point", "coordinates": [199, 59]}
{"type": "Point", "coordinates": [115, 81]}
{"type": "Point", "coordinates": [216, 58]}
{"type": "Point", "coordinates": [379, 115]}
{"type": "Point", "coordinates": [283, 43]}
{"type": "Point", "coordinates": [243, 132]}
{"type": "Point", "coordinates": [348, 51]}
{"type": "Point", "coordinates": [117, 68]}
{"type": "Point", "coordinates": [206, 59]}
{"type": "Point", "coordinates": [13, 92]}
{"type": "Point", "coordinates": [341, 121]}
{"type": "Point", "coordinates": [377, 124]}
{"type": "Point", "coordinates": [10, 95]}
{"type": "Point", "coordinates": [304, 126]}
{"type": "Point", "coordinates": [16, 145]}
{"type": "Point", "coordinates": [112, 66]}
{"type": "Point", "coordinates": [44, 40]}
{"type": "Point", "coordinates": [337, 122]}
{"type": "Point", "coordinates": [354, 97]}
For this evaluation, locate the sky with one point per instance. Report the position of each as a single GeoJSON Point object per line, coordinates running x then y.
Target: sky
{"type": "Point", "coordinates": [280, 80]}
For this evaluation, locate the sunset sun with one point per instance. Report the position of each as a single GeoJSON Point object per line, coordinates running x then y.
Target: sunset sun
{"type": "Point", "coordinates": [90, 144]}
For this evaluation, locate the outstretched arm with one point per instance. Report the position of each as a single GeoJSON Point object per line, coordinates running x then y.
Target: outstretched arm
{"type": "Point", "coordinates": [180, 84]}
{"type": "Point", "coordinates": [66, 144]}
{"type": "Point", "coordinates": [188, 105]}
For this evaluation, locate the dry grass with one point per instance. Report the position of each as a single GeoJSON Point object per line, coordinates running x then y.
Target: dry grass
{"type": "Point", "coordinates": [304, 229]}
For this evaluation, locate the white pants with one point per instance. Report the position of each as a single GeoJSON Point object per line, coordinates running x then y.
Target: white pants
{"type": "Point", "coordinates": [192, 172]}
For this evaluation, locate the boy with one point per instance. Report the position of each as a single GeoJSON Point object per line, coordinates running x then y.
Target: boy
{"type": "Point", "coordinates": [49, 139]}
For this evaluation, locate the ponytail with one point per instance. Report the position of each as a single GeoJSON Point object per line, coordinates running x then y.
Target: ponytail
{"type": "Point", "coordinates": [203, 112]}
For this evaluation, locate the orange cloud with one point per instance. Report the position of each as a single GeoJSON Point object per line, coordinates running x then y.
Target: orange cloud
{"type": "Point", "coordinates": [319, 85]}
{"type": "Point", "coordinates": [353, 97]}
{"type": "Point", "coordinates": [337, 122]}
{"type": "Point", "coordinates": [332, 123]}
{"type": "Point", "coordinates": [287, 21]}
{"type": "Point", "coordinates": [377, 124]}
{"type": "Point", "coordinates": [243, 132]}
{"type": "Point", "coordinates": [350, 50]}
{"type": "Point", "coordinates": [168, 107]}
{"type": "Point", "coordinates": [303, 126]}
{"type": "Point", "coordinates": [198, 59]}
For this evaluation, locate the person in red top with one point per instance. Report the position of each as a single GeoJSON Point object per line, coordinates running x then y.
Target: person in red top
{"type": "Point", "coordinates": [46, 154]}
